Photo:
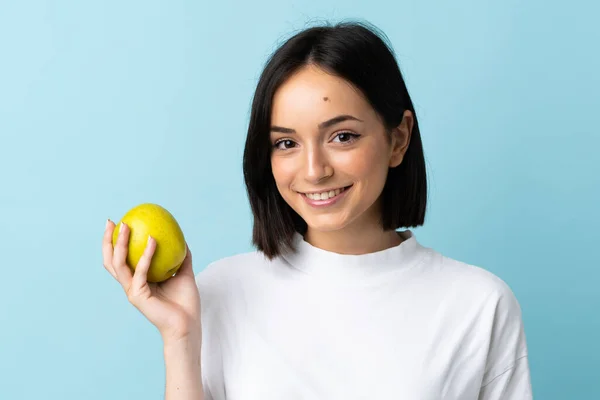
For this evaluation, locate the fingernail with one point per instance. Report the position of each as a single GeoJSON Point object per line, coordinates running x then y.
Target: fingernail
{"type": "Point", "coordinates": [149, 239]}
{"type": "Point", "coordinates": [107, 222]}
{"type": "Point", "coordinates": [122, 230]}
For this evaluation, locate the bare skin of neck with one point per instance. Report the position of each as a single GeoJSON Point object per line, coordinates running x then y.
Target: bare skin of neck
{"type": "Point", "coordinates": [361, 237]}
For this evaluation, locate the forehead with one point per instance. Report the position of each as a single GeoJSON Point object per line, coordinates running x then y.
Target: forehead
{"type": "Point", "coordinates": [313, 94]}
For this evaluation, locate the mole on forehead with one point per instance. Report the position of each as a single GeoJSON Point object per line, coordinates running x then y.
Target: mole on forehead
{"type": "Point", "coordinates": [325, 98]}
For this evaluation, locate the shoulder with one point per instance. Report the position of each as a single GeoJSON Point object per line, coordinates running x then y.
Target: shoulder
{"type": "Point", "coordinates": [219, 278]}
{"type": "Point", "coordinates": [495, 306]}
{"type": "Point", "coordinates": [474, 281]}
{"type": "Point", "coordinates": [486, 301]}
{"type": "Point", "coordinates": [229, 266]}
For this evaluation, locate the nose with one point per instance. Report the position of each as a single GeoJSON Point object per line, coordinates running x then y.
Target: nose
{"type": "Point", "coordinates": [317, 165]}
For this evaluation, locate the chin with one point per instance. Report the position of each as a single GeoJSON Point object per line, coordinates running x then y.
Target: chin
{"type": "Point", "coordinates": [323, 225]}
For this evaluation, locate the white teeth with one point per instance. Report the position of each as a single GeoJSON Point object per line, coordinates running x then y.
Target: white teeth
{"type": "Point", "coordinates": [324, 195]}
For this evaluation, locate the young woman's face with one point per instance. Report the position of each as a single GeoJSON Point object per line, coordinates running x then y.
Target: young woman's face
{"type": "Point", "coordinates": [331, 152]}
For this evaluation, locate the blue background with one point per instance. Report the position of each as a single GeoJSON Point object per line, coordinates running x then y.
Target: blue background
{"type": "Point", "coordinates": [104, 105]}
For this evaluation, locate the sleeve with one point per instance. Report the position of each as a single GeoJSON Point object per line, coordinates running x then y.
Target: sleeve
{"type": "Point", "coordinates": [507, 375]}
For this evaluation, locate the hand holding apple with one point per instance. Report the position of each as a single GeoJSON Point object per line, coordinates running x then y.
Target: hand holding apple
{"type": "Point", "coordinates": [142, 255]}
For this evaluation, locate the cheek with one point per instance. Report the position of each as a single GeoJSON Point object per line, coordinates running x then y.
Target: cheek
{"type": "Point", "coordinates": [283, 171]}
{"type": "Point", "coordinates": [364, 163]}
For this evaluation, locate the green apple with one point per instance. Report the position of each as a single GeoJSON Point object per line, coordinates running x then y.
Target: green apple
{"type": "Point", "coordinates": [153, 220]}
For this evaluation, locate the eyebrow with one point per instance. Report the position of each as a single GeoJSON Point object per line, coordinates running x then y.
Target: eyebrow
{"type": "Point", "coordinates": [322, 125]}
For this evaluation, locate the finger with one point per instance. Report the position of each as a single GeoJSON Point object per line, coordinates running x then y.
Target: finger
{"type": "Point", "coordinates": [140, 276]}
{"type": "Point", "coordinates": [107, 248]}
{"type": "Point", "coordinates": [119, 263]}
{"type": "Point", "coordinates": [186, 266]}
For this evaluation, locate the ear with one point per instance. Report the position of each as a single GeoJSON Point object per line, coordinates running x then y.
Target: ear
{"type": "Point", "coordinates": [401, 139]}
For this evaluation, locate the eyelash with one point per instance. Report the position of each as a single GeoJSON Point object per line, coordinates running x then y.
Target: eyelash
{"type": "Point", "coordinates": [353, 138]}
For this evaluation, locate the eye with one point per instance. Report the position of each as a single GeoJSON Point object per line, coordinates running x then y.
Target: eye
{"type": "Point", "coordinates": [345, 137]}
{"type": "Point", "coordinates": [283, 144]}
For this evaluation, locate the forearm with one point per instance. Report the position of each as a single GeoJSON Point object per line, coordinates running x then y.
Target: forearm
{"type": "Point", "coordinates": [183, 371]}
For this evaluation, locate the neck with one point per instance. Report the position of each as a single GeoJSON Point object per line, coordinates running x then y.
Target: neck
{"type": "Point", "coordinates": [355, 239]}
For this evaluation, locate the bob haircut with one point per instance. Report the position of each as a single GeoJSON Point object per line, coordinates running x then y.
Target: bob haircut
{"type": "Point", "coordinates": [354, 52]}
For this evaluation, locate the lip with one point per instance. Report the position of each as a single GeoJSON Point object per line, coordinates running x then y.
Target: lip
{"type": "Point", "coordinates": [325, 203]}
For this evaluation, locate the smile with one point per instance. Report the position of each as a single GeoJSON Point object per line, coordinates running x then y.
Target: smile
{"type": "Point", "coordinates": [326, 197]}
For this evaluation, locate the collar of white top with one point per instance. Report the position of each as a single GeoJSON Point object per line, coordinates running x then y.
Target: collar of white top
{"type": "Point", "coordinates": [317, 261]}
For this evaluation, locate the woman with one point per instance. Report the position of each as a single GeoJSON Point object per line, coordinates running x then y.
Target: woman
{"type": "Point", "coordinates": [335, 303]}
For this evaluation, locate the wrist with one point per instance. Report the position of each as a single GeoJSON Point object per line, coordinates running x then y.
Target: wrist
{"type": "Point", "coordinates": [186, 351]}
{"type": "Point", "coordinates": [182, 339]}
{"type": "Point", "coordinates": [182, 332]}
